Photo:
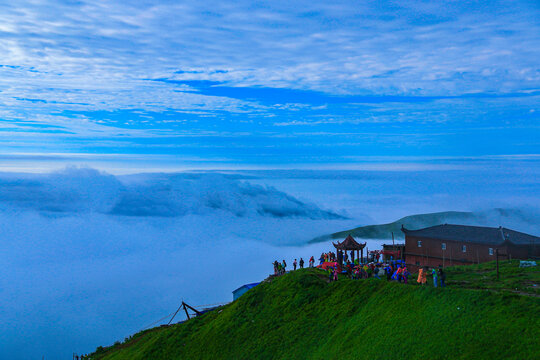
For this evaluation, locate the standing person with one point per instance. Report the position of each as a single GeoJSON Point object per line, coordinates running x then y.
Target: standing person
{"type": "Point", "coordinates": [275, 263]}
{"type": "Point", "coordinates": [387, 272]}
{"type": "Point", "coordinates": [335, 273]}
{"type": "Point", "coordinates": [435, 280]}
{"type": "Point", "coordinates": [301, 263]}
{"type": "Point", "coordinates": [405, 275]}
{"type": "Point", "coordinates": [395, 274]}
{"type": "Point", "coordinates": [369, 271]}
{"type": "Point", "coordinates": [399, 273]}
{"type": "Point", "coordinates": [376, 272]}
{"type": "Point", "coordinates": [442, 276]}
{"type": "Point", "coordinates": [284, 266]}
{"type": "Point", "coordinates": [311, 261]}
{"type": "Point", "coordinates": [321, 259]}
{"type": "Point", "coordinates": [294, 264]}
{"type": "Point", "coordinates": [421, 276]}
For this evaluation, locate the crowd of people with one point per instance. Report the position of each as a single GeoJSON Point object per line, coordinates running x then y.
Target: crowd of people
{"type": "Point", "coordinates": [392, 270]}
{"type": "Point", "coordinates": [280, 268]}
{"type": "Point", "coordinates": [439, 276]}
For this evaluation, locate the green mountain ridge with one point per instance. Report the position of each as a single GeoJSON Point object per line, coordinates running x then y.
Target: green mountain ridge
{"type": "Point", "coordinates": [303, 316]}
{"type": "Point", "coordinates": [527, 218]}
{"type": "Point", "coordinates": [384, 231]}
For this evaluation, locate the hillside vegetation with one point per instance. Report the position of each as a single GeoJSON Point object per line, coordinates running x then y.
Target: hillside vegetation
{"type": "Point", "coordinates": [493, 217]}
{"type": "Point", "coordinates": [302, 316]}
{"type": "Point", "coordinates": [384, 231]}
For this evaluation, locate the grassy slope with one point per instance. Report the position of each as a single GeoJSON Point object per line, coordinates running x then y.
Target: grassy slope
{"type": "Point", "coordinates": [514, 279]}
{"type": "Point", "coordinates": [301, 316]}
{"type": "Point", "coordinates": [384, 231]}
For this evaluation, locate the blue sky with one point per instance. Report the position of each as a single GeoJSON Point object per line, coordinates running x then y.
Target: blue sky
{"type": "Point", "coordinates": [272, 84]}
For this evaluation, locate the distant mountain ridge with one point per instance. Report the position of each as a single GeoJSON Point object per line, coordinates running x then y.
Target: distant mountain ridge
{"type": "Point", "coordinates": [495, 217]}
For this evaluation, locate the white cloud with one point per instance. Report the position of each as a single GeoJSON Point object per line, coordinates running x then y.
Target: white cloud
{"type": "Point", "coordinates": [97, 56]}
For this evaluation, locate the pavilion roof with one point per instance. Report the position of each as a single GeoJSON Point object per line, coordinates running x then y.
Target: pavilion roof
{"type": "Point", "coordinates": [349, 244]}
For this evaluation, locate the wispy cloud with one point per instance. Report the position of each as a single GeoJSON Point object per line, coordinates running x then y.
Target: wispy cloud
{"type": "Point", "coordinates": [219, 68]}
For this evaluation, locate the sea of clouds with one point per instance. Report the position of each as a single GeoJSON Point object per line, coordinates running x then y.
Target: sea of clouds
{"type": "Point", "coordinates": [83, 190]}
{"type": "Point", "coordinates": [88, 258]}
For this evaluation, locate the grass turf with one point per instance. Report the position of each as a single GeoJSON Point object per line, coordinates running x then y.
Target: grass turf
{"type": "Point", "coordinates": [302, 316]}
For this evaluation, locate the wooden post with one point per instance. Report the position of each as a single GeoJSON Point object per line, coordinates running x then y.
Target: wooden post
{"type": "Point", "coordinates": [187, 314]}
{"type": "Point", "coordinates": [497, 257]}
{"type": "Point", "coordinates": [443, 252]}
{"type": "Point", "coordinates": [177, 310]}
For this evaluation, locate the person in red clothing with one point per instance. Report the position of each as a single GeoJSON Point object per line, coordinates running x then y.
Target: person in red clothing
{"type": "Point", "coordinates": [399, 274]}
{"type": "Point", "coordinates": [405, 274]}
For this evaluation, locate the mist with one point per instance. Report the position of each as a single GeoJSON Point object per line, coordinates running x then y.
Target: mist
{"type": "Point", "coordinates": [88, 258]}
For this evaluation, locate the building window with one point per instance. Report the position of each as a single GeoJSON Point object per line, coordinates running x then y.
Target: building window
{"type": "Point", "coordinates": [419, 243]}
{"type": "Point", "coordinates": [418, 263]}
{"type": "Point", "coordinates": [490, 251]}
{"type": "Point", "coordinates": [464, 248]}
{"type": "Point", "coordinates": [444, 246]}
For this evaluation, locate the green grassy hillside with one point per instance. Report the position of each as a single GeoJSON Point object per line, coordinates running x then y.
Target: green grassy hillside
{"type": "Point", "coordinates": [384, 231]}
{"type": "Point", "coordinates": [302, 316]}
{"type": "Point", "coordinates": [481, 218]}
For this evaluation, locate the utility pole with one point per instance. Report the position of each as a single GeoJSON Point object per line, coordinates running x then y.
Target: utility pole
{"type": "Point", "coordinates": [443, 252]}
{"type": "Point", "coordinates": [497, 257]}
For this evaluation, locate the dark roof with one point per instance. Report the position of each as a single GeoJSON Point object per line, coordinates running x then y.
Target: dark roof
{"type": "Point", "coordinates": [349, 244]}
{"type": "Point", "coordinates": [248, 286]}
{"type": "Point", "coordinates": [473, 234]}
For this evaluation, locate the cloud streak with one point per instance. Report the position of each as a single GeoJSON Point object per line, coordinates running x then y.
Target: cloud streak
{"type": "Point", "coordinates": [251, 68]}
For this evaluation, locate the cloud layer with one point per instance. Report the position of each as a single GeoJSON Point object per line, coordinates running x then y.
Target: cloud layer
{"type": "Point", "coordinates": [75, 190]}
{"type": "Point", "coordinates": [145, 78]}
{"type": "Point", "coordinates": [88, 258]}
